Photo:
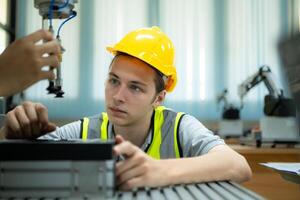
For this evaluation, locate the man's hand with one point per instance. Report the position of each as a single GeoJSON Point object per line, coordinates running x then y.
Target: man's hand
{"type": "Point", "coordinates": [27, 121]}
{"type": "Point", "coordinates": [21, 62]}
{"type": "Point", "coordinates": [138, 169]}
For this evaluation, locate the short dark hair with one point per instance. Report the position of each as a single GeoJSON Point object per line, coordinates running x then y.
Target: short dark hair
{"type": "Point", "coordinates": [158, 79]}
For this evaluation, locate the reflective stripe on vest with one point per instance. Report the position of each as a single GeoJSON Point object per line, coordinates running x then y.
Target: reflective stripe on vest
{"type": "Point", "coordinates": [176, 131]}
{"type": "Point", "coordinates": [164, 143]}
{"type": "Point", "coordinates": [103, 133]}
{"type": "Point", "coordinates": [154, 149]}
{"type": "Point", "coordinates": [85, 124]}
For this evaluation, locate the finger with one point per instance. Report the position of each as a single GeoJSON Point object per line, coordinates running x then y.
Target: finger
{"type": "Point", "coordinates": [51, 47]}
{"type": "Point", "coordinates": [23, 121]}
{"type": "Point", "coordinates": [46, 126]}
{"type": "Point", "coordinates": [130, 174]}
{"type": "Point", "coordinates": [47, 75]}
{"type": "Point", "coordinates": [52, 61]}
{"type": "Point", "coordinates": [131, 162]}
{"type": "Point", "coordinates": [125, 165]}
{"type": "Point", "coordinates": [132, 183]}
{"type": "Point", "coordinates": [39, 35]}
{"type": "Point", "coordinates": [42, 113]}
{"type": "Point", "coordinates": [125, 148]}
{"type": "Point", "coordinates": [33, 117]}
{"type": "Point", "coordinates": [13, 126]}
{"type": "Point", "coordinates": [49, 128]}
{"type": "Point", "coordinates": [119, 139]}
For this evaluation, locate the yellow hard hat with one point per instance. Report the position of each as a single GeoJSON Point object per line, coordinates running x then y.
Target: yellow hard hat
{"type": "Point", "coordinates": [152, 46]}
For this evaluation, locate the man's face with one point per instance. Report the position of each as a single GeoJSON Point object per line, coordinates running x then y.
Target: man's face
{"type": "Point", "coordinates": [129, 91]}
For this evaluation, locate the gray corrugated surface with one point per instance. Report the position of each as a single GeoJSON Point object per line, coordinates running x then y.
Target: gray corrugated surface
{"type": "Point", "coordinates": [157, 195]}
{"type": "Point", "coordinates": [209, 191]}
{"type": "Point", "coordinates": [183, 193]}
{"type": "Point", "coordinates": [223, 192]}
{"type": "Point", "coordinates": [249, 193]}
{"type": "Point", "coordinates": [194, 190]}
{"type": "Point", "coordinates": [204, 191]}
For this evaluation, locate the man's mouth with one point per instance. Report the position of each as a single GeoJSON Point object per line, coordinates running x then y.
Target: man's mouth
{"type": "Point", "coordinates": [117, 110]}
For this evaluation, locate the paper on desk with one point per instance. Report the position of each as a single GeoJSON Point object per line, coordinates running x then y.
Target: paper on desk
{"type": "Point", "coordinates": [292, 167]}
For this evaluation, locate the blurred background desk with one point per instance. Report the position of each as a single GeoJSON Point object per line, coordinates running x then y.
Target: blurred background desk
{"type": "Point", "coordinates": [267, 182]}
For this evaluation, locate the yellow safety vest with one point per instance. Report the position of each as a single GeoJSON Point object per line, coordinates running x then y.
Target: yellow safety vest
{"type": "Point", "coordinates": [165, 129]}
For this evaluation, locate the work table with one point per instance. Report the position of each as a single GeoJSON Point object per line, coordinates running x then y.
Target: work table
{"type": "Point", "coordinates": [265, 181]}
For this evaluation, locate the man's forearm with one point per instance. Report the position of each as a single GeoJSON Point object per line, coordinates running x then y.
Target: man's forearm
{"type": "Point", "coordinates": [214, 166]}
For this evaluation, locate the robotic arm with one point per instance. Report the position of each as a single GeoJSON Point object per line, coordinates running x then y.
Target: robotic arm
{"type": "Point", "coordinates": [229, 111]}
{"type": "Point", "coordinates": [264, 74]}
{"type": "Point", "coordinates": [223, 97]}
{"type": "Point", "coordinates": [61, 9]}
{"type": "Point", "coordinates": [55, 9]}
{"type": "Point", "coordinates": [275, 103]}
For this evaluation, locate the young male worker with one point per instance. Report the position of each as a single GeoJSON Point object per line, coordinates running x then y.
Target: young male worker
{"type": "Point", "coordinates": [160, 146]}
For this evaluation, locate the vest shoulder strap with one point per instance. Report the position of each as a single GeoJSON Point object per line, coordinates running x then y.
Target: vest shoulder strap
{"type": "Point", "coordinates": [154, 148]}
{"type": "Point", "coordinates": [103, 128]}
{"type": "Point", "coordinates": [161, 114]}
{"type": "Point", "coordinates": [84, 128]}
{"type": "Point", "coordinates": [177, 145]}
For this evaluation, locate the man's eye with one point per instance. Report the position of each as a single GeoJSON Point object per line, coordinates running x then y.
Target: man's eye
{"type": "Point", "coordinates": [135, 88]}
{"type": "Point", "coordinates": [113, 81]}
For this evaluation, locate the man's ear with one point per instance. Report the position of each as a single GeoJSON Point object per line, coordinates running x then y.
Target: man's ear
{"type": "Point", "coordinates": [160, 97]}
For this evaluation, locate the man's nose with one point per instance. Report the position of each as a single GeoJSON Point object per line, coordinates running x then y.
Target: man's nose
{"type": "Point", "coordinates": [120, 93]}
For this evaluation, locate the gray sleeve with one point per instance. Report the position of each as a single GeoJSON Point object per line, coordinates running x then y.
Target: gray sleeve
{"type": "Point", "coordinates": [67, 132]}
{"type": "Point", "coordinates": [195, 138]}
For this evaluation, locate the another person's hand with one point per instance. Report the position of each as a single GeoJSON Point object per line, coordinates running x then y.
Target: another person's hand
{"type": "Point", "coordinates": [138, 169]}
{"type": "Point", "coordinates": [27, 121]}
{"type": "Point", "coordinates": [22, 61]}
